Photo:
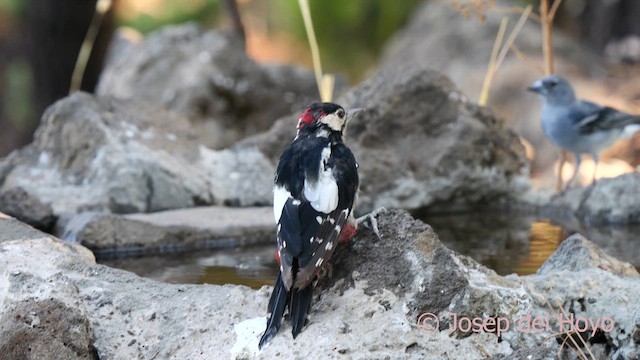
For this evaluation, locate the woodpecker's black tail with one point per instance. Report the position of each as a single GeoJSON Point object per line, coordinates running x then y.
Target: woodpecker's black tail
{"type": "Point", "coordinates": [277, 304]}
{"type": "Point", "coordinates": [300, 304]}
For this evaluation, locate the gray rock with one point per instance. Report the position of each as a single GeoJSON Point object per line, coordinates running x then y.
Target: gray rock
{"type": "Point", "coordinates": [539, 353]}
{"type": "Point", "coordinates": [410, 261]}
{"type": "Point", "coordinates": [615, 200]}
{"type": "Point", "coordinates": [580, 287]}
{"type": "Point", "coordinates": [579, 254]}
{"type": "Point", "coordinates": [421, 145]}
{"type": "Point", "coordinates": [121, 156]}
{"type": "Point", "coordinates": [27, 208]}
{"type": "Point", "coordinates": [376, 286]}
{"type": "Point", "coordinates": [579, 278]}
{"type": "Point", "coordinates": [13, 229]}
{"type": "Point", "coordinates": [608, 201]}
{"type": "Point", "coordinates": [32, 329]}
{"type": "Point", "coordinates": [51, 320]}
{"type": "Point", "coordinates": [170, 231]}
{"type": "Point", "coordinates": [207, 77]}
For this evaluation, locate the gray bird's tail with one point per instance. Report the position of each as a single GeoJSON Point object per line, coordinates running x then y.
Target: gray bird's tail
{"type": "Point", "coordinates": [632, 126]}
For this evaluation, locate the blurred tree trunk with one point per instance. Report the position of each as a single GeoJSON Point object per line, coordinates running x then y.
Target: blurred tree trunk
{"type": "Point", "coordinates": [57, 29]}
{"type": "Point", "coordinates": [50, 35]}
{"type": "Point", "coordinates": [611, 27]}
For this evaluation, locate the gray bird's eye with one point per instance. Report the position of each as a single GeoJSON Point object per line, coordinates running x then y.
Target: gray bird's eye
{"type": "Point", "coordinates": [340, 113]}
{"type": "Point", "coordinates": [553, 82]}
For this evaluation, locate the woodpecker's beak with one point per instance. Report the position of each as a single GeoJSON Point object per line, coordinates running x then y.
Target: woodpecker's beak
{"type": "Point", "coordinates": [351, 113]}
{"type": "Point", "coordinates": [536, 87]}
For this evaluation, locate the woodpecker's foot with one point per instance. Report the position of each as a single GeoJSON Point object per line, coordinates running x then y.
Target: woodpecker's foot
{"type": "Point", "coordinates": [325, 271]}
{"type": "Point", "coordinates": [371, 219]}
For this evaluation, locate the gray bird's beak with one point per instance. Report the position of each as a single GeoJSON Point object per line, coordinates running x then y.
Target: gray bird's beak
{"type": "Point", "coordinates": [351, 113]}
{"type": "Point", "coordinates": [536, 87]}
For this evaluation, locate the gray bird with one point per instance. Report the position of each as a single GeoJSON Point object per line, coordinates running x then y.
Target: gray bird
{"type": "Point", "coordinates": [579, 126]}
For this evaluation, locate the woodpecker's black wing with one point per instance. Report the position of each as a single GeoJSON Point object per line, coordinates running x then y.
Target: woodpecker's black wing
{"type": "Point", "coordinates": [322, 246]}
{"type": "Point", "coordinates": [322, 205]}
{"type": "Point", "coordinates": [324, 239]}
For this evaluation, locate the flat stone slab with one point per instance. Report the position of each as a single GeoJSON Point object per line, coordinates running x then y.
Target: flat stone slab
{"type": "Point", "coordinates": [171, 231]}
{"type": "Point", "coordinates": [213, 218]}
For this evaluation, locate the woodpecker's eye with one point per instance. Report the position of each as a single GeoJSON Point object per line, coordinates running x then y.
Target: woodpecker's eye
{"type": "Point", "coordinates": [340, 113]}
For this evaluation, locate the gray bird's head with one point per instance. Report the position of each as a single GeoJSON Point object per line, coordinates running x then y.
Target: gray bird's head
{"type": "Point", "coordinates": [554, 90]}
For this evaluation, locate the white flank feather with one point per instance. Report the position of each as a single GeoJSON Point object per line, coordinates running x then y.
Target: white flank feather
{"type": "Point", "coordinates": [280, 197]}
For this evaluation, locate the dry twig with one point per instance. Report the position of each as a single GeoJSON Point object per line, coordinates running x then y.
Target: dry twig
{"type": "Point", "coordinates": [567, 333]}
{"type": "Point", "coordinates": [102, 6]}
{"type": "Point", "coordinates": [498, 57]}
{"type": "Point", "coordinates": [325, 81]}
{"type": "Point", "coordinates": [491, 68]}
{"type": "Point", "coordinates": [516, 10]}
{"type": "Point", "coordinates": [584, 343]}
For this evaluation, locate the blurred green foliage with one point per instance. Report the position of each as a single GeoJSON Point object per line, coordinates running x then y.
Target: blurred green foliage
{"type": "Point", "coordinates": [350, 34]}
{"type": "Point", "coordinates": [173, 12]}
{"type": "Point", "coordinates": [19, 94]}
{"type": "Point", "coordinates": [12, 7]}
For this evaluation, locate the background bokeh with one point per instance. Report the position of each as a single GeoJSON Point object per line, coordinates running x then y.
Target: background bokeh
{"type": "Point", "coordinates": [40, 39]}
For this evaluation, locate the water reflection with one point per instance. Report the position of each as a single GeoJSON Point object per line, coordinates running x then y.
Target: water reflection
{"type": "Point", "coordinates": [251, 266]}
{"type": "Point", "coordinates": [500, 242]}
{"type": "Point", "coordinates": [506, 243]}
{"type": "Point", "coordinates": [520, 244]}
{"type": "Point", "coordinates": [544, 238]}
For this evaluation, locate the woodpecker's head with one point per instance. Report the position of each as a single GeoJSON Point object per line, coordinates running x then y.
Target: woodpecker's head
{"type": "Point", "coordinates": [554, 90]}
{"type": "Point", "coordinates": [324, 119]}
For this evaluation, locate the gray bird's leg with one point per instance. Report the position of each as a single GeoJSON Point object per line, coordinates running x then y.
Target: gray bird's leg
{"type": "Point", "coordinates": [578, 160]}
{"type": "Point", "coordinates": [595, 168]}
{"type": "Point", "coordinates": [371, 219]}
{"type": "Point", "coordinates": [562, 160]}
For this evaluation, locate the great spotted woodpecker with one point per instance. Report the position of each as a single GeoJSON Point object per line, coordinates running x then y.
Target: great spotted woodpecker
{"type": "Point", "coordinates": [315, 187]}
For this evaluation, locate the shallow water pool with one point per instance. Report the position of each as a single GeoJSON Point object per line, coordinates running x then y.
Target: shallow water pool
{"type": "Point", "coordinates": [506, 244]}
